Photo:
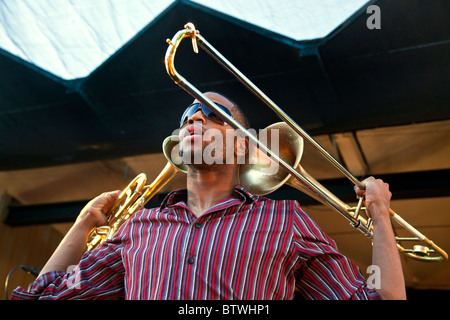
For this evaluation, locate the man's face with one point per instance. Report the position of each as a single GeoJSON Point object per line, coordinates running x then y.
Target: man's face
{"type": "Point", "coordinates": [203, 140]}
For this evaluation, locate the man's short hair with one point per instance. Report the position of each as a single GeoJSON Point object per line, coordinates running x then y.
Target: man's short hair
{"type": "Point", "coordinates": [241, 117]}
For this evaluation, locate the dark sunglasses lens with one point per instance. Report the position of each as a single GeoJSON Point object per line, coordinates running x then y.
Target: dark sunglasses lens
{"type": "Point", "coordinates": [213, 116]}
{"type": "Point", "coordinates": [188, 113]}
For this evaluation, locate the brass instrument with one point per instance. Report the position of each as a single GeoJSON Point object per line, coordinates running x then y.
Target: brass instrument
{"type": "Point", "coordinates": [132, 199]}
{"type": "Point", "coordinates": [294, 174]}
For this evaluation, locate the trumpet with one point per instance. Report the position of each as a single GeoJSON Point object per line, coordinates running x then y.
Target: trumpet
{"type": "Point", "coordinates": [295, 175]}
{"type": "Point", "coordinates": [132, 199]}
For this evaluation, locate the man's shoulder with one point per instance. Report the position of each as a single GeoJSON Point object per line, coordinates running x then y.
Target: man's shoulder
{"type": "Point", "coordinates": [277, 201]}
{"type": "Point", "coordinates": [273, 204]}
{"type": "Point", "coordinates": [142, 214]}
{"type": "Point", "coordinates": [256, 198]}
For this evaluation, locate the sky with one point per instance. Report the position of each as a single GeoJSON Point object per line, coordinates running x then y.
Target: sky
{"type": "Point", "coordinates": [71, 38]}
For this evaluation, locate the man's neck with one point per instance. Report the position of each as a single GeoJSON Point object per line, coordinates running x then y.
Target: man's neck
{"type": "Point", "coordinates": [208, 186]}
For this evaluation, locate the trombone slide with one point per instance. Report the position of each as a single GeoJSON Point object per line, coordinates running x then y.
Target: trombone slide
{"type": "Point", "coordinates": [308, 184]}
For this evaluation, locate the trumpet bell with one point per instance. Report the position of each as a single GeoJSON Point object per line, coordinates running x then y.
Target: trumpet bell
{"type": "Point", "coordinates": [262, 175]}
{"type": "Point", "coordinates": [135, 196]}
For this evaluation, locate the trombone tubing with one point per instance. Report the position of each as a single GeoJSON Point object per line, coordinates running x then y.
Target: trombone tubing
{"type": "Point", "coordinates": [357, 222]}
{"type": "Point", "coordinates": [189, 31]}
{"type": "Point", "coordinates": [281, 114]}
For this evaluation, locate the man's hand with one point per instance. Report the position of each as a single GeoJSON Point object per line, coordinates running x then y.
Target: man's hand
{"type": "Point", "coordinates": [93, 214]}
{"type": "Point", "coordinates": [377, 197]}
{"type": "Point", "coordinates": [73, 245]}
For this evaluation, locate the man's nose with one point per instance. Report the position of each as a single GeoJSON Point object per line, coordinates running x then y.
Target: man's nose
{"type": "Point", "coordinates": [197, 116]}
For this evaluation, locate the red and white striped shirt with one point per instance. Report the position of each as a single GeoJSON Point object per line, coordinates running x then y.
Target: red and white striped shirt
{"type": "Point", "coordinates": [244, 247]}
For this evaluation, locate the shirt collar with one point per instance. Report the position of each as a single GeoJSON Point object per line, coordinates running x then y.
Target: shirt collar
{"type": "Point", "coordinates": [180, 195]}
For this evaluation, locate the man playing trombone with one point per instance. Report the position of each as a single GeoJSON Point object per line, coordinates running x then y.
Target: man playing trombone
{"type": "Point", "coordinates": [215, 240]}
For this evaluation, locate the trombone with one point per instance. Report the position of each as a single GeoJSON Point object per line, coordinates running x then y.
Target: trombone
{"type": "Point", "coordinates": [296, 177]}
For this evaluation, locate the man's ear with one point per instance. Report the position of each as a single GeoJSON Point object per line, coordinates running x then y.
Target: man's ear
{"type": "Point", "coordinates": [241, 147]}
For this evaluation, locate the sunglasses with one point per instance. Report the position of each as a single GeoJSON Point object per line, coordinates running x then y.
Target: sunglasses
{"type": "Point", "coordinates": [193, 108]}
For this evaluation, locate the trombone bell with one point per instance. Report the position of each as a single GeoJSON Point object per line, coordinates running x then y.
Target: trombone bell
{"type": "Point", "coordinates": [261, 175]}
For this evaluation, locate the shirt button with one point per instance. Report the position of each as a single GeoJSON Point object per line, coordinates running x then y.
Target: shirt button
{"type": "Point", "coordinates": [190, 260]}
{"type": "Point", "coordinates": [198, 225]}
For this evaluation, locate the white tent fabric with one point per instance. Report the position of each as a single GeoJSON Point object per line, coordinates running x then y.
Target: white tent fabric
{"type": "Point", "coordinates": [71, 38]}
{"type": "Point", "coordinates": [295, 19]}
